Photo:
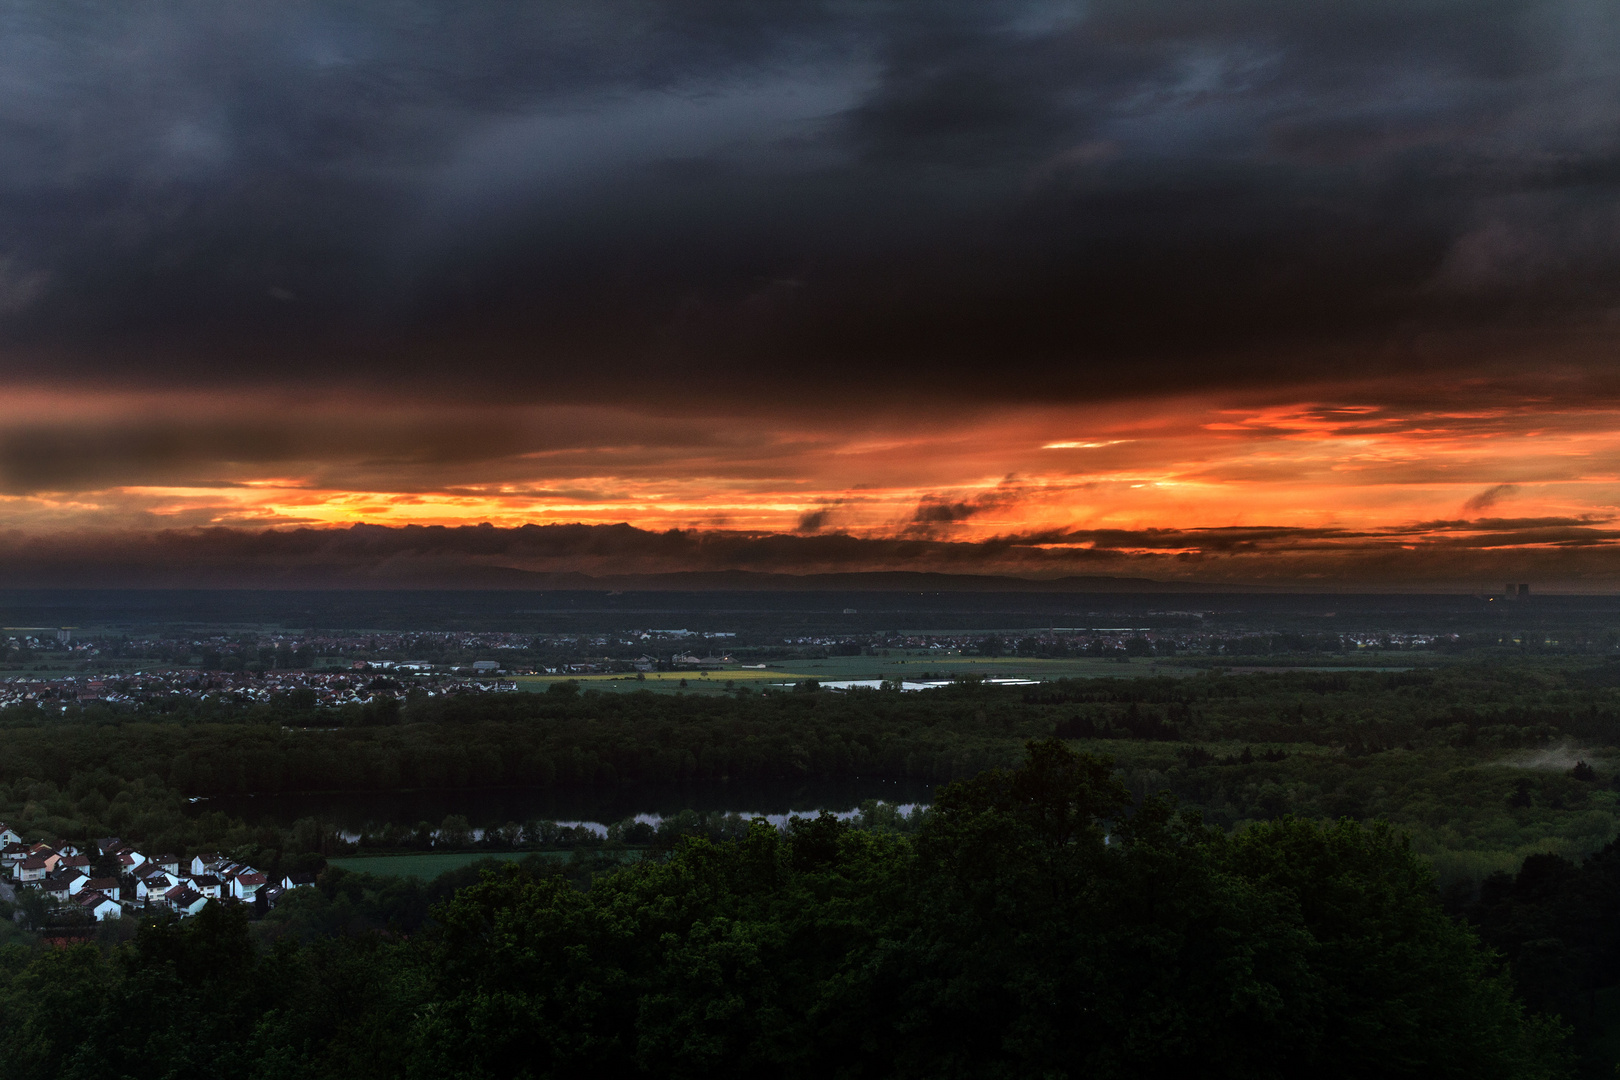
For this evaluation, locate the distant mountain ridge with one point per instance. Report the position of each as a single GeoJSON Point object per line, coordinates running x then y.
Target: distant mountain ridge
{"type": "Point", "coordinates": [864, 581]}
{"type": "Point", "coordinates": [540, 557]}
{"type": "Point", "coordinates": [621, 556]}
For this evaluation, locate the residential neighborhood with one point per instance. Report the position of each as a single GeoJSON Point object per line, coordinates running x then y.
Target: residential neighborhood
{"type": "Point", "coordinates": [110, 879]}
{"type": "Point", "coordinates": [360, 685]}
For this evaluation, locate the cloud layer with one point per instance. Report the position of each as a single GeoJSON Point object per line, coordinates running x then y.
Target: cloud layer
{"type": "Point", "coordinates": [1017, 200]}
{"type": "Point", "coordinates": [935, 273]}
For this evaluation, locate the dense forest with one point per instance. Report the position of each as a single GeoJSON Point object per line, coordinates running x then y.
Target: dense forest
{"type": "Point", "coordinates": [1043, 922]}
{"type": "Point", "coordinates": [1477, 762]}
{"type": "Point", "coordinates": [1500, 780]}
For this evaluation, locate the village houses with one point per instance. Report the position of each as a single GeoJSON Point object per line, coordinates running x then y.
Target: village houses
{"type": "Point", "coordinates": [136, 883]}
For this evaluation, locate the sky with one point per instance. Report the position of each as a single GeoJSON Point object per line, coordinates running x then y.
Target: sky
{"type": "Point", "coordinates": [1310, 293]}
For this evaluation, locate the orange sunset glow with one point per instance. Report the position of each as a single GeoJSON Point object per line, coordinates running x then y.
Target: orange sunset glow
{"type": "Point", "coordinates": [1525, 477]}
{"type": "Point", "coordinates": [1305, 465]}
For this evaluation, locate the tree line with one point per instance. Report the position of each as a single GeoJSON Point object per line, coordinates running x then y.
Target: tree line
{"type": "Point", "coordinates": [1424, 749]}
{"type": "Point", "coordinates": [1041, 922]}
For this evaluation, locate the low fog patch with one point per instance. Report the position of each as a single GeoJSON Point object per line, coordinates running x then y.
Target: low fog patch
{"type": "Point", "coordinates": [1560, 758]}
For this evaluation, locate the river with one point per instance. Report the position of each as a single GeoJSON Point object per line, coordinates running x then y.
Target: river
{"type": "Point", "coordinates": [353, 812]}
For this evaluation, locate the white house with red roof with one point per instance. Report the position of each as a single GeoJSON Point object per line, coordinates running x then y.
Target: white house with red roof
{"type": "Point", "coordinates": [245, 887]}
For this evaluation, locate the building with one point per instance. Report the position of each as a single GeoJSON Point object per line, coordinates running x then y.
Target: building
{"type": "Point", "coordinates": [246, 887]}
{"type": "Point", "coordinates": [102, 907]}
{"type": "Point", "coordinates": [48, 855]}
{"type": "Point", "coordinates": [184, 899]}
{"type": "Point", "coordinates": [151, 882]}
{"type": "Point", "coordinates": [106, 886]}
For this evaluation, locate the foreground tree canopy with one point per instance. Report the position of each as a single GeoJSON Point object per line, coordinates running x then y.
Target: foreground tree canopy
{"type": "Point", "coordinates": [1037, 926]}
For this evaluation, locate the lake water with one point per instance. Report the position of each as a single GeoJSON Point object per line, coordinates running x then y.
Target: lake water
{"type": "Point", "coordinates": [489, 807]}
{"type": "Point", "coordinates": [929, 684]}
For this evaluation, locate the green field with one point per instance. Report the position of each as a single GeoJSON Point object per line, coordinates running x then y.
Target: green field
{"type": "Point", "coordinates": [912, 666]}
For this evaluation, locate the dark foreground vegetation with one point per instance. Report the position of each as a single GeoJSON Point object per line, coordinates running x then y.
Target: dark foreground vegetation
{"type": "Point", "coordinates": [1502, 777]}
{"type": "Point", "coordinates": [1037, 925]}
{"type": "Point", "coordinates": [1476, 762]}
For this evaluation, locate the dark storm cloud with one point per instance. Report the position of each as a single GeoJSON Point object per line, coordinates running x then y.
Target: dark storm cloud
{"type": "Point", "coordinates": [813, 521]}
{"type": "Point", "coordinates": [334, 445]}
{"type": "Point", "coordinates": [1019, 199]}
{"type": "Point", "coordinates": [1478, 533]}
{"type": "Point", "coordinates": [936, 512]}
{"type": "Point", "coordinates": [1490, 497]}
